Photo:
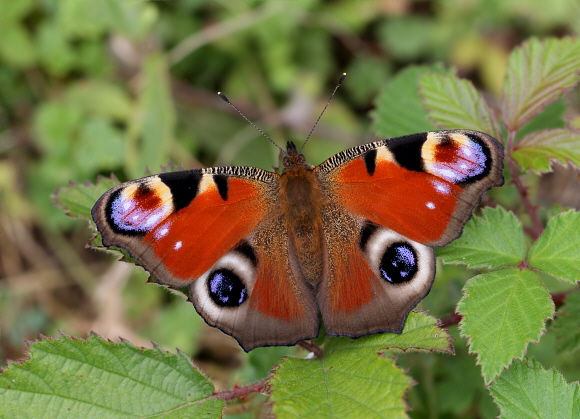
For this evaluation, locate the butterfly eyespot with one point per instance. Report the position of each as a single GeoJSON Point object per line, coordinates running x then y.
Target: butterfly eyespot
{"type": "Point", "coordinates": [399, 263]}
{"type": "Point", "coordinates": [226, 289]}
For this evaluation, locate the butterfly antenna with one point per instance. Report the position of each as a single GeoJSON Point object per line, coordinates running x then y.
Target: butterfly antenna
{"type": "Point", "coordinates": [340, 80]}
{"type": "Point", "coordinates": [225, 99]}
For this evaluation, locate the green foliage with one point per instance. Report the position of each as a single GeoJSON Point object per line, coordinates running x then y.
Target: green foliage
{"type": "Point", "coordinates": [503, 311]}
{"type": "Point", "coordinates": [557, 250]}
{"type": "Point", "coordinates": [71, 378]}
{"type": "Point", "coordinates": [398, 107]}
{"type": "Point", "coordinates": [567, 324]}
{"type": "Point", "coordinates": [454, 103]}
{"type": "Point", "coordinates": [353, 380]}
{"type": "Point", "coordinates": [536, 150]}
{"type": "Point", "coordinates": [537, 73]}
{"type": "Point", "coordinates": [90, 88]}
{"type": "Point", "coordinates": [527, 390]}
{"type": "Point", "coordinates": [494, 240]}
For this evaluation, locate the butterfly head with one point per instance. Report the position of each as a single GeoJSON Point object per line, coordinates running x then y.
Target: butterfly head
{"type": "Point", "coordinates": [294, 159]}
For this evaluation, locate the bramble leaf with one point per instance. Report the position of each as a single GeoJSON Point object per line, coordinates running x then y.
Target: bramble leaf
{"type": "Point", "coordinates": [77, 199]}
{"type": "Point", "coordinates": [527, 390]}
{"type": "Point", "coordinates": [535, 150]}
{"type": "Point", "coordinates": [455, 103]}
{"type": "Point", "coordinates": [557, 250]}
{"type": "Point", "coordinates": [493, 240]}
{"type": "Point", "coordinates": [502, 312]}
{"type": "Point", "coordinates": [537, 73]}
{"type": "Point", "coordinates": [399, 110]}
{"type": "Point", "coordinates": [95, 378]}
{"type": "Point", "coordinates": [566, 326]}
{"type": "Point", "coordinates": [352, 380]}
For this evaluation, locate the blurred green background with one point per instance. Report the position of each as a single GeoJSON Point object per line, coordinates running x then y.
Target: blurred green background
{"type": "Point", "coordinates": [94, 87]}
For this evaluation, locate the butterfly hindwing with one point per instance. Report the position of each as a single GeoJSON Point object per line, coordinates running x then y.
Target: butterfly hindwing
{"type": "Point", "coordinates": [423, 186]}
{"type": "Point", "coordinates": [374, 276]}
{"type": "Point", "coordinates": [254, 294]}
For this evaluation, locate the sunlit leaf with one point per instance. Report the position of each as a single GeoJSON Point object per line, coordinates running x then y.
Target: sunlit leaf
{"type": "Point", "coordinates": [537, 150]}
{"type": "Point", "coordinates": [399, 110]}
{"type": "Point", "coordinates": [95, 378]}
{"type": "Point", "coordinates": [557, 250]}
{"type": "Point", "coordinates": [77, 199]}
{"type": "Point", "coordinates": [495, 239]}
{"type": "Point", "coordinates": [527, 390]}
{"type": "Point", "coordinates": [538, 72]}
{"type": "Point", "coordinates": [502, 312]}
{"type": "Point", "coordinates": [454, 103]}
{"type": "Point", "coordinates": [352, 380]}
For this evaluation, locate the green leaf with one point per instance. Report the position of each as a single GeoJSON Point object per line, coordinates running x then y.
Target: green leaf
{"type": "Point", "coordinates": [567, 324]}
{"type": "Point", "coordinates": [77, 199]}
{"type": "Point", "coordinates": [16, 47]}
{"type": "Point", "coordinates": [557, 250]}
{"type": "Point", "coordinates": [156, 118]}
{"type": "Point", "coordinates": [100, 146]}
{"type": "Point", "coordinates": [493, 240]}
{"type": "Point", "coordinates": [527, 390]}
{"type": "Point", "coordinates": [537, 73]}
{"type": "Point", "coordinates": [102, 98]}
{"type": "Point", "coordinates": [420, 333]}
{"type": "Point", "coordinates": [352, 380]}
{"type": "Point", "coordinates": [54, 51]}
{"type": "Point", "coordinates": [71, 378]}
{"type": "Point", "coordinates": [536, 150]}
{"type": "Point", "coordinates": [341, 385]}
{"type": "Point", "coordinates": [502, 312]}
{"type": "Point", "coordinates": [454, 103]}
{"type": "Point", "coordinates": [399, 110]}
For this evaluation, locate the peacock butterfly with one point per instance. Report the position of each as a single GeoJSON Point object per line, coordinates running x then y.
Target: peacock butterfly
{"type": "Point", "coordinates": [352, 238]}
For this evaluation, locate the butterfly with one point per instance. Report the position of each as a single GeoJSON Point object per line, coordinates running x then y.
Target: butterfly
{"type": "Point", "coordinates": [349, 242]}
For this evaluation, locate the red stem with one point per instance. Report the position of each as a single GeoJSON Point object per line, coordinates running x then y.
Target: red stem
{"type": "Point", "coordinates": [311, 347]}
{"type": "Point", "coordinates": [241, 392]}
{"type": "Point", "coordinates": [530, 209]}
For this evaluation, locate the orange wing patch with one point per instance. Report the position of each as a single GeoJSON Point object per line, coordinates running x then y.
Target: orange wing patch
{"type": "Point", "coordinates": [415, 204]}
{"type": "Point", "coordinates": [191, 240]}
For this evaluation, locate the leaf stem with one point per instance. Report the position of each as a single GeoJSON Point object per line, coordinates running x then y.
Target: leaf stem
{"type": "Point", "coordinates": [311, 347]}
{"type": "Point", "coordinates": [241, 392]}
{"type": "Point", "coordinates": [530, 209]}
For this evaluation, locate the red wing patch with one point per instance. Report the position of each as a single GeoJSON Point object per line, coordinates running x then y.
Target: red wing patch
{"type": "Point", "coordinates": [415, 204]}
{"type": "Point", "coordinates": [191, 240]}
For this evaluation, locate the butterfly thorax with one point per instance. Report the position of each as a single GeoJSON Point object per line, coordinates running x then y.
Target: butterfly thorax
{"type": "Point", "coordinates": [301, 204]}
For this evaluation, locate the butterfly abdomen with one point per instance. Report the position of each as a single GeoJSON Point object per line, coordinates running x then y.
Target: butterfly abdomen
{"type": "Point", "coordinates": [301, 203]}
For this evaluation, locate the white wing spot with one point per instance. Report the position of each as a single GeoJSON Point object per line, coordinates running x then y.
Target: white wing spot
{"type": "Point", "coordinates": [126, 205]}
{"type": "Point", "coordinates": [177, 245]}
{"type": "Point", "coordinates": [135, 217]}
{"type": "Point", "coordinates": [430, 205]}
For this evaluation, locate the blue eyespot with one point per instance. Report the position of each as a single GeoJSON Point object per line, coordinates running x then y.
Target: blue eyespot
{"type": "Point", "coordinates": [226, 289]}
{"type": "Point", "coordinates": [399, 263]}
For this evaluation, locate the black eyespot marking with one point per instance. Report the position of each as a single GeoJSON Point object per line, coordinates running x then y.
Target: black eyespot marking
{"type": "Point", "coordinates": [248, 251]}
{"type": "Point", "coordinates": [221, 181]}
{"type": "Point", "coordinates": [143, 189]}
{"type": "Point", "coordinates": [183, 186]}
{"type": "Point", "coordinates": [407, 150]}
{"type": "Point", "coordinates": [366, 233]}
{"type": "Point", "coordinates": [226, 289]}
{"type": "Point", "coordinates": [399, 263]}
{"type": "Point", "coordinates": [370, 159]}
